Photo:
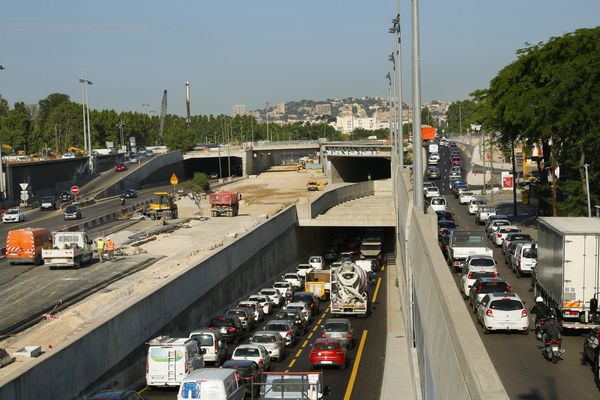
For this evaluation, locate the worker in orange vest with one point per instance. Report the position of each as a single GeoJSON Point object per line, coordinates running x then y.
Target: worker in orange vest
{"type": "Point", "coordinates": [110, 247]}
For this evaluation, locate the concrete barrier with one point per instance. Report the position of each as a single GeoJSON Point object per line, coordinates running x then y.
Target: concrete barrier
{"type": "Point", "coordinates": [333, 197]}
{"type": "Point", "coordinates": [182, 302]}
{"type": "Point", "coordinates": [134, 178]}
{"type": "Point", "coordinates": [452, 360]}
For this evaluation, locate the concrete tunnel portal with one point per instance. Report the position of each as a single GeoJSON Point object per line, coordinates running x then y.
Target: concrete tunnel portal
{"type": "Point", "coordinates": [358, 169]}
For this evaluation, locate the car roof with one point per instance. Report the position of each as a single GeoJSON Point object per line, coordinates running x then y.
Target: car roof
{"type": "Point", "coordinates": [326, 340]}
{"type": "Point", "coordinates": [337, 320]}
{"type": "Point", "coordinates": [266, 333]}
{"type": "Point", "coordinates": [503, 295]}
{"type": "Point", "coordinates": [238, 363]}
{"type": "Point", "coordinates": [210, 373]}
{"type": "Point", "coordinates": [488, 280]}
{"type": "Point", "coordinates": [278, 321]}
{"type": "Point", "coordinates": [247, 346]}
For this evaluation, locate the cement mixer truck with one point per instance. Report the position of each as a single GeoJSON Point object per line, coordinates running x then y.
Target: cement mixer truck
{"type": "Point", "coordinates": [349, 290]}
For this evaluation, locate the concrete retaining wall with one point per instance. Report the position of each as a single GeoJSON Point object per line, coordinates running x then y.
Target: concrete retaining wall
{"type": "Point", "coordinates": [333, 197]}
{"type": "Point", "coordinates": [178, 305]}
{"type": "Point", "coordinates": [133, 179]}
{"type": "Point", "coordinates": [452, 360]}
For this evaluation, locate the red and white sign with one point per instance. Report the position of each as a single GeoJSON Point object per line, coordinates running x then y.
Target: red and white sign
{"type": "Point", "coordinates": [75, 190]}
{"type": "Point", "coordinates": [507, 181]}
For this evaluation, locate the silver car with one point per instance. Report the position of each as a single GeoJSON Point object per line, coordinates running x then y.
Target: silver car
{"type": "Point", "coordinates": [339, 328]}
{"type": "Point", "coordinates": [212, 343]}
{"type": "Point", "coordinates": [272, 341]}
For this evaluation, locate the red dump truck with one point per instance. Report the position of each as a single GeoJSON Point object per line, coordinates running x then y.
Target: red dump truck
{"type": "Point", "coordinates": [224, 203]}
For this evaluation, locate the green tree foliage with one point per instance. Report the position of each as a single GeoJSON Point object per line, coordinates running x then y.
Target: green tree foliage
{"type": "Point", "coordinates": [199, 183]}
{"type": "Point", "coordinates": [460, 115]}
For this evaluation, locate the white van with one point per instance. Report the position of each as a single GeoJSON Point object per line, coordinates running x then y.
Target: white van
{"type": "Point", "coordinates": [213, 384]}
{"type": "Point", "coordinates": [170, 360]}
{"type": "Point", "coordinates": [433, 148]}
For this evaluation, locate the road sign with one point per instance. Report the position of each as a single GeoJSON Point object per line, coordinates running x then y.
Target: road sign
{"type": "Point", "coordinates": [174, 179]}
{"type": "Point", "coordinates": [507, 181]}
{"type": "Point", "coordinates": [24, 185]}
{"type": "Point", "coordinates": [24, 195]}
{"type": "Point", "coordinates": [75, 189]}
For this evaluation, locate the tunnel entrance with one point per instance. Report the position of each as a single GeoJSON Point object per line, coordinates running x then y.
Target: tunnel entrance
{"type": "Point", "coordinates": [210, 166]}
{"type": "Point", "coordinates": [358, 169]}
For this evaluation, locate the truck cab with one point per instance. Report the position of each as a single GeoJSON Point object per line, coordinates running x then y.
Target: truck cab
{"type": "Point", "coordinates": [69, 249]}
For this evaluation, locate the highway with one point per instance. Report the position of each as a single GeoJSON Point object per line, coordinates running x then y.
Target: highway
{"type": "Point", "coordinates": [362, 377]}
{"type": "Point", "coordinates": [523, 370]}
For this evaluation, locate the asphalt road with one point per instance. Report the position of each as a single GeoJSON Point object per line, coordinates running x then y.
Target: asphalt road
{"type": "Point", "coordinates": [525, 373]}
{"type": "Point", "coordinates": [363, 376]}
{"type": "Point", "coordinates": [109, 178]}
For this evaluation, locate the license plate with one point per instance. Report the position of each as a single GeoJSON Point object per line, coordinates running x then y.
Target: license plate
{"type": "Point", "coordinates": [326, 362]}
{"type": "Point", "coordinates": [456, 263]}
{"type": "Point", "coordinates": [554, 348]}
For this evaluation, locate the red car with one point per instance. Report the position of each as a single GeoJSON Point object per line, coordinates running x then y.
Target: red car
{"type": "Point", "coordinates": [120, 167]}
{"type": "Point", "coordinates": [456, 161]}
{"type": "Point", "coordinates": [328, 352]}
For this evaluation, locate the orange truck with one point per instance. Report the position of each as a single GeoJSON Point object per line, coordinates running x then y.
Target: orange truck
{"type": "Point", "coordinates": [427, 132]}
{"type": "Point", "coordinates": [24, 246]}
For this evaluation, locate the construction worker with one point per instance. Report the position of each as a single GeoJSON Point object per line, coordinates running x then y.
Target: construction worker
{"type": "Point", "coordinates": [110, 247]}
{"type": "Point", "coordinates": [101, 249]}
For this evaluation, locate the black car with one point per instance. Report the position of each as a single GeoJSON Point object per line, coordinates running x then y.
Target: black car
{"type": "Point", "coordinates": [296, 318]}
{"type": "Point", "coordinates": [48, 203]}
{"type": "Point", "coordinates": [65, 196]}
{"type": "Point", "coordinates": [445, 226]}
{"type": "Point", "coordinates": [229, 326]}
{"type": "Point", "coordinates": [117, 395]}
{"type": "Point", "coordinates": [309, 299]}
{"type": "Point", "coordinates": [249, 372]}
{"type": "Point", "coordinates": [129, 193]}
{"type": "Point", "coordinates": [591, 350]}
{"type": "Point", "coordinates": [443, 215]}
{"type": "Point", "coordinates": [330, 256]}
{"type": "Point", "coordinates": [73, 211]}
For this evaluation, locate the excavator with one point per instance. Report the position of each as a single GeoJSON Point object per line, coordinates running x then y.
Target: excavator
{"type": "Point", "coordinates": [163, 206]}
{"type": "Point", "coordinates": [77, 151]}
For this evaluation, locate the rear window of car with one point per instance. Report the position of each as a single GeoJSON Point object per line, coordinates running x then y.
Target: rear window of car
{"type": "Point", "coordinates": [481, 274]}
{"type": "Point", "coordinates": [482, 262]}
{"type": "Point", "coordinates": [438, 201]}
{"type": "Point", "coordinates": [494, 287]}
{"type": "Point", "coordinates": [264, 339]}
{"type": "Point", "coordinates": [276, 327]}
{"type": "Point", "coordinates": [336, 327]}
{"type": "Point", "coordinates": [239, 313]}
{"type": "Point", "coordinates": [221, 323]}
{"type": "Point", "coordinates": [71, 209]}
{"type": "Point", "coordinates": [326, 346]}
{"type": "Point", "coordinates": [530, 253]}
{"type": "Point", "coordinates": [47, 199]}
{"type": "Point", "coordinates": [314, 260]}
{"type": "Point", "coordinates": [519, 237]}
{"type": "Point", "coordinates": [246, 352]}
{"type": "Point", "coordinates": [204, 339]}
{"type": "Point", "coordinates": [506, 305]}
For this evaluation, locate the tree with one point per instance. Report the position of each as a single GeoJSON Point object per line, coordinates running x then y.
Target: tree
{"type": "Point", "coordinates": [198, 183]}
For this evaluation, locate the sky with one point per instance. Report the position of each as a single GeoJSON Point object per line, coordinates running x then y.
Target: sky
{"type": "Point", "coordinates": [251, 52]}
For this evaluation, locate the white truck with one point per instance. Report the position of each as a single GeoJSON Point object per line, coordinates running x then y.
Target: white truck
{"type": "Point", "coordinates": [349, 294]}
{"type": "Point", "coordinates": [567, 274]}
{"type": "Point", "coordinates": [463, 244]}
{"type": "Point", "coordinates": [69, 249]}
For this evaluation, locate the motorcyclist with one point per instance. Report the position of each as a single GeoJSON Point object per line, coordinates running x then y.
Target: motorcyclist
{"type": "Point", "coordinates": [541, 310]}
{"type": "Point", "coordinates": [122, 199]}
{"type": "Point", "coordinates": [551, 328]}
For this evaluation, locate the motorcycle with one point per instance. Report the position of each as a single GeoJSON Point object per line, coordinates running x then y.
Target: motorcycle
{"type": "Point", "coordinates": [122, 201]}
{"type": "Point", "coordinates": [371, 278]}
{"type": "Point", "coordinates": [538, 328]}
{"type": "Point", "coordinates": [552, 349]}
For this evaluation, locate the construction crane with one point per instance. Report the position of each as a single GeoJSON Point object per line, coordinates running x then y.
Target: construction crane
{"type": "Point", "coordinates": [163, 113]}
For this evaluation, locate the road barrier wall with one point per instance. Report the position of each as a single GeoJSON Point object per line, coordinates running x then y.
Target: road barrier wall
{"type": "Point", "coordinates": [333, 197]}
{"type": "Point", "coordinates": [183, 302]}
{"type": "Point", "coordinates": [452, 360]}
{"type": "Point", "coordinates": [134, 178]}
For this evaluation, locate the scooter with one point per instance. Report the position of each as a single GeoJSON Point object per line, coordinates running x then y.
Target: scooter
{"type": "Point", "coordinates": [538, 328]}
{"type": "Point", "coordinates": [371, 278]}
{"type": "Point", "coordinates": [122, 201]}
{"type": "Point", "coordinates": [552, 349]}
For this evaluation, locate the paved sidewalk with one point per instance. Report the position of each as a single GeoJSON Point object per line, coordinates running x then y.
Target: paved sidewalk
{"type": "Point", "coordinates": [398, 382]}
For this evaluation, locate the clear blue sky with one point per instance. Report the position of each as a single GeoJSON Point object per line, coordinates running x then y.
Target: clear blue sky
{"type": "Point", "coordinates": [249, 52]}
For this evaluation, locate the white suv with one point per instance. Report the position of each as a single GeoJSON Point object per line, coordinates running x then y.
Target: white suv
{"type": "Point", "coordinates": [438, 203]}
{"type": "Point", "coordinates": [474, 205]}
{"type": "Point", "coordinates": [466, 197]}
{"type": "Point", "coordinates": [502, 311]}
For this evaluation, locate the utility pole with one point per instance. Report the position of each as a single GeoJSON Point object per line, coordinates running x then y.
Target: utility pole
{"type": "Point", "coordinates": [587, 184]}
{"type": "Point", "coordinates": [492, 165]}
{"type": "Point", "coordinates": [460, 121]}
{"type": "Point", "coordinates": [267, 112]}
{"type": "Point", "coordinates": [417, 139]}
{"type": "Point", "coordinates": [120, 125]}
{"type": "Point", "coordinates": [85, 143]}
{"type": "Point", "coordinates": [514, 172]}
{"type": "Point", "coordinates": [85, 82]}
{"type": "Point", "coordinates": [398, 87]}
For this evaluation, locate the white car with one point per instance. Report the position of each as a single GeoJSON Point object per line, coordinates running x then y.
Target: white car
{"type": "Point", "coordinates": [478, 266]}
{"type": "Point", "coordinates": [433, 159]}
{"type": "Point", "coordinates": [496, 225]}
{"type": "Point", "coordinates": [502, 232]}
{"type": "Point", "coordinates": [253, 352]}
{"type": "Point", "coordinates": [483, 213]}
{"type": "Point", "coordinates": [272, 341]}
{"type": "Point", "coordinates": [466, 197]}
{"type": "Point", "coordinates": [301, 269]}
{"type": "Point", "coordinates": [283, 287]}
{"type": "Point", "coordinates": [503, 311]}
{"type": "Point", "coordinates": [294, 279]}
{"type": "Point", "coordinates": [525, 258]}
{"type": "Point", "coordinates": [302, 307]}
{"type": "Point", "coordinates": [284, 328]}
{"type": "Point", "coordinates": [264, 301]}
{"type": "Point", "coordinates": [316, 262]}
{"type": "Point", "coordinates": [273, 295]}
{"type": "Point", "coordinates": [13, 215]}
{"type": "Point", "coordinates": [255, 306]}
{"type": "Point", "coordinates": [432, 192]}
{"type": "Point", "coordinates": [474, 205]}
{"type": "Point", "coordinates": [426, 185]}
{"type": "Point", "coordinates": [438, 203]}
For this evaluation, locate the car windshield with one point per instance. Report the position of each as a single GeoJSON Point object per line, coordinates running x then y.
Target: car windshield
{"type": "Point", "coordinates": [370, 247]}
{"type": "Point", "coordinates": [291, 276]}
{"type": "Point", "coordinates": [204, 339]}
{"type": "Point", "coordinates": [530, 253]}
{"type": "Point", "coordinates": [494, 287]}
{"type": "Point", "coordinates": [238, 313]}
{"type": "Point", "coordinates": [258, 298]}
{"type": "Point", "coordinates": [287, 315]}
{"type": "Point", "coordinates": [482, 262]}
{"type": "Point", "coordinates": [71, 209]}
{"type": "Point", "coordinates": [468, 239]}
{"type": "Point", "coordinates": [518, 237]}
{"type": "Point", "coordinates": [264, 339]}
{"type": "Point", "coordinates": [299, 308]}
{"type": "Point", "coordinates": [446, 224]}
{"type": "Point", "coordinates": [336, 327]}
{"type": "Point", "coordinates": [221, 323]}
{"type": "Point", "coordinates": [12, 211]}
{"type": "Point", "coordinates": [275, 327]}
{"type": "Point", "coordinates": [269, 292]}
{"type": "Point", "coordinates": [295, 387]}
{"type": "Point", "coordinates": [326, 346]}
{"type": "Point", "coordinates": [501, 223]}
{"type": "Point", "coordinates": [506, 305]}
{"type": "Point", "coordinates": [246, 352]}
{"type": "Point", "coordinates": [47, 199]}
{"type": "Point", "coordinates": [281, 285]}
{"type": "Point", "coordinates": [307, 266]}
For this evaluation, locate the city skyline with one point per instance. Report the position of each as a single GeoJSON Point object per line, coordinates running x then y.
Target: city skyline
{"type": "Point", "coordinates": [252, 53]}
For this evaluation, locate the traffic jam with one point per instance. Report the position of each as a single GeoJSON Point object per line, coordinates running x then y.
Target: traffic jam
{"type": "Point", "coordinates": [287, 340]}
{"type": "Point", "coordinates": [560, 281]}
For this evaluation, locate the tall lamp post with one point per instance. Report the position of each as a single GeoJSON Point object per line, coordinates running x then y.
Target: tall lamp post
{"type": "Point", "coordinates": [395, 29]}
{"type": "Point", "coordinates": [587, 185]}
{"type": "Point", "coordinates": [85, 83]}
{"type": "Point", "coordinates": [417, 138]}
{"type": "Point", "coordinates": [2, 189]}
{"type": "Point", "coordinates": [267, 113]}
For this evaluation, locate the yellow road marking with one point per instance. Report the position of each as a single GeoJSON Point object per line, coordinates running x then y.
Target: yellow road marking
{"type": "Point", "coordinates": [304, 344]}
{"type": "Point", "coordinates": [382, 268]}
{"type": "Point", "coordinates": [361, 346]}
{"type": "Point", "coordinates": [310, 335]}
{"type": "Point", "coordinates": [376, 290]}
{"type": "Point", "coordinates": [292, 363]}
{"type": "Point", "coordinates": [315, 328]}
{"type": "Point", "coordinates": [298, 353]}
{"type": "Point", "coordinates": [143, 390]}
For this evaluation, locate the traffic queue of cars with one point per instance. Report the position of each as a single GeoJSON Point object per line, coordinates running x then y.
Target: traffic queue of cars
{"type": "Point", "coordinates": [284, 311]}
{"type": "Point", "coordinates": [469, 253]}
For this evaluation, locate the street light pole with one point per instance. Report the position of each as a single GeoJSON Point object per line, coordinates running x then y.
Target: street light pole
{"type": "Point", "coordinates": [398, 87]}
{"type": "Point", "coordinates": [267, 113]}
{"type": "Point", "coordinates": [417, 139]}
{"type": "Point", "coordinates": [86, 83]}
{"type": "Point", "coordinates": [587, 184]}
{"type": "Point", "coordinates": [85, 144]}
